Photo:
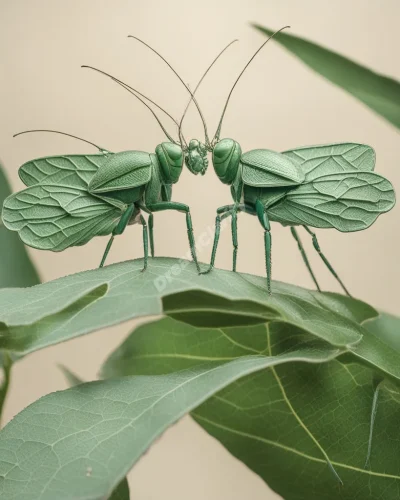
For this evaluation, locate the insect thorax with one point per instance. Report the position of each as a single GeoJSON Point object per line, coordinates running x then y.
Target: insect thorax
{"type": "Point", "coordinates": [226, 159]}
{"type": "Point", "coordinates": [170, 157]}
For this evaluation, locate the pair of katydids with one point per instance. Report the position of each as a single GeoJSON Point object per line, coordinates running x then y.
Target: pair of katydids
{"type": "Point", "coordinates": [69, 199]}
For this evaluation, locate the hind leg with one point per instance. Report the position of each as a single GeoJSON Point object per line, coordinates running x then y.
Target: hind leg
{"type": "Point", "coordinates": [325, 260]}
{"type": "Point", "coordinates": [119, 229]}
{"type": "Point", "coordinates": [304, 256]}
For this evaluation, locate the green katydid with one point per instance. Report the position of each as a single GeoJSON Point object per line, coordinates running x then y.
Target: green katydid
{"type": "Point", "coordinates": [69, 199]}
{"type": "Point", "coordinates": [325, 186]}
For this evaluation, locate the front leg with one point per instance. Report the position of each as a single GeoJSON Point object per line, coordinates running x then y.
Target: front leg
{"type": "Point", "coordinates": [180, 207]}
{"type": "Point", "coordinates": [222, 213]}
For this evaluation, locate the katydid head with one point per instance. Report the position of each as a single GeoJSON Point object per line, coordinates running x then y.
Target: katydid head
{"type": "Point", "coordinates": [196, 157]}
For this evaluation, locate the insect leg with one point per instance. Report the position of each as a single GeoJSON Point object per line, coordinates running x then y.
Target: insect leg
{"type": "Point", "coordinates": [325, 260]}
{"type": "Point", "coordinates": [222, 213]}
{"type": "Point", "coordinates": [110, 242]}
{"type": "Point", "coordinates": [119, 229]}
{"type": "Point", "coordinates": [145, 242]}
{"type": "Point", "coordinates": [180, 207]}
{"type": "Point", "coordinates": [151, 226]}
{"type": "Point", "coordinates": [263, 218]}
{"type": "Point", "coordinates": [304, 255]}
{"type": "Point", "coordinates": [234, 238]}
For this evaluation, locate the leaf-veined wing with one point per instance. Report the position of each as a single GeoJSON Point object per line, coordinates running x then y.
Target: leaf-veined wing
{"type": "Point", "coordinates": [125, 170]}
{"type": "Point", "coordinates": [315, 161]}
{"type": "Point", "coordinates": [51, 217]}
{"type": "Point", "coordinates": [266, 168]}
{"type": "Point", "coordinates": [70, 170]}
{"type": "Point", "coordinates": [349, 201]}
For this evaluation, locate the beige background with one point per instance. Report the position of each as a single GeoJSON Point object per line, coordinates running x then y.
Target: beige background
{"type": "Point", "coordinates": [278, 104]}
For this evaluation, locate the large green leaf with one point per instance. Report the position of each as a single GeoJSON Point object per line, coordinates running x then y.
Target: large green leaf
{"type": "Point", "coordinates": [378, 92]}
{"type": "Point", "coordinates": [380, 345]}
{"type": "Point", "coordinates": [121, 492]}
{"type": "Point", "coordinates": [80, 443]}
{"type": "Point", "coordinates": [283, 422]}
{"type": "Point", "coordinates": [56, 311]}
{"type": "Point", "coordinates": [16, 269]}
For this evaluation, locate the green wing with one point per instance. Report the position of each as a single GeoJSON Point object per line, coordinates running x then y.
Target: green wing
{"type": "Point", "coordinates": [68, 170]}
{"type": "Point", "coordinates": [266, 168]}
{"type": "Point", "coordinates": [50, 217]}
{"type": "Point", "coordinates": [346, 201]}
{"type": "Point", "coordinates": [125, 170]}
{"type": "Point", "coordinates": [316, 161]}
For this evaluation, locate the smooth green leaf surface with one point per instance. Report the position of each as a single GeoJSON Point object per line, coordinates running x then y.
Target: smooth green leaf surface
{"type": "Point", "coordinates": [380, 345]}
{"type": "Point", "coordinates": [121, 492]}
{"type": "Point", "coordinates": [16, 269]}
{"type": "Point", "coordinates": [378, 92]}
{"type": "Point", "coordinates": [56, 311]}
{"type": "Point", "coordinates": [283, 422]}
{"type": "Point", "coordinates": [95, 432]}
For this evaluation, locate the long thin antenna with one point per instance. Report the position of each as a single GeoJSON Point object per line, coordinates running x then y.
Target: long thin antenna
{"type": "Point", "coordinates": [183, 83]}
{"type": "Point", "coordinates": [198, 85]}
{"type": "Point", "coordinates": [218, 131]}
{"type": "Point", "coordinates": [132, 91]}
{"type": "Point", "coordinates": [62, 133]}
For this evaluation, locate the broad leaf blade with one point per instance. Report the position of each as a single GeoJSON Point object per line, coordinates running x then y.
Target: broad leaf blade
{"type": "Point", "coordinates": [80, 443]}
{"type": "Point", "coordinates": [380, 346]}
{"type": "Point", "coordinates": [273, 431]}
{"type": "Point", "coordinates": [167, 346]}
{"type": "Point", "coordinates": [121, 492]}
{"type": "Point", "coordinates": [16, 269]}
{"type": "Point", "coordinates": [378, 92]}
{"type": "Point", "coordinates": [60, 310]}
{"type": "Point", "coordinates": [280, 421]}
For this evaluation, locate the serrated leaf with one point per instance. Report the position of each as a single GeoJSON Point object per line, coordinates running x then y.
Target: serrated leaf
{"type": "Point", "coordinates": [60, 310]}
{"type": "Point", "coordinates": [16, 269]}
{"type": "Point", "coordinates": [278, 421]}
{"type": "Point", "coordinates": [378, 92]}
{"type": "Point", "coordinates": [80, 443]}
